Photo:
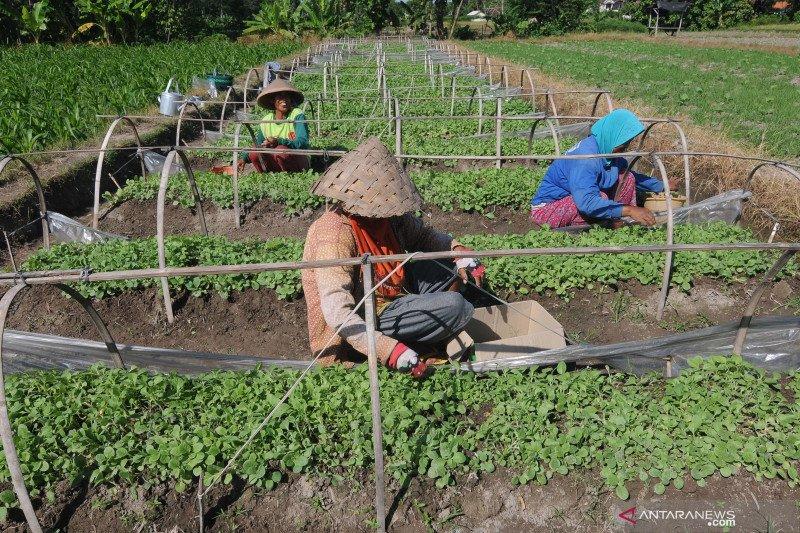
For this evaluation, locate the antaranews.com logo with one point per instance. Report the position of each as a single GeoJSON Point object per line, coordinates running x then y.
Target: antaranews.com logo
{"type": "Point", "coordinates": [708, 517]}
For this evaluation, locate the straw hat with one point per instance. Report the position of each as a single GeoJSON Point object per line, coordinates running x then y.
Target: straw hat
{"type": "Point", "coordinates": [279, 85]}
{"type": "Point", "coordinates": [369, 182]}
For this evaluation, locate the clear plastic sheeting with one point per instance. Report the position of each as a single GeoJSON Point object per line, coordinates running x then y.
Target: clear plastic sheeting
{"type": "Point", "coordinates": [154, 163]}
{"type": "Point", "coordinates": [24, 351]}
{"type": "Point", "coordinates": [65, 229]}
{"type": "Point", "coordinates": [773, 343]}
{"type": "Point", "coordinates": [204, 84]}
{"type": "Point", "coordinates": [725, 207]}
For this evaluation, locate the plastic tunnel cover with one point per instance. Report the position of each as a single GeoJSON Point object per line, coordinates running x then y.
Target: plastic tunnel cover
{"type": "Point", "coordinates": [773, 343]}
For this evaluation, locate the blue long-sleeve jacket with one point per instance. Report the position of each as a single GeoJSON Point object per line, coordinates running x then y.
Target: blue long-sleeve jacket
{"type": "Point", "coordinates": [585, 178]}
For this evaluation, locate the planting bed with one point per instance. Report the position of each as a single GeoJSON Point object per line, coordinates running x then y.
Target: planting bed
{"type": "Point", "coordinates": [544, 448]}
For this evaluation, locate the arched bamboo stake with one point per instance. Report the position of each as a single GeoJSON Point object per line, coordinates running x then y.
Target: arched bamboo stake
{"type": "Point", "coordinates": [504, 75]}
{"type": "Point", "coordinates": [533, 86]}
{"type": "Point", "coordinates": [6, 432]}
{"type": "Point", "coordinates": [246, 86]}
{"type": "Point", "coordinates": [687, 177]}
{"type": "Point", "coordinates": [550, 101]}
{"type": "Point", "coordinates": [596, 104]}
{"type": "Point", "coordinates": [37, 183]}
{"type": "Point", "coordinates": [101, 157]}
{"type": "Point", "coordinates": [180, 120]}
{"type": "Point", "coordinates": [780, 166]}
{"type": "Point", "coordinates": [225, 105]}
{"type": "Point", "coordinates": [471, 99]}
{"type": "Point", "coordinates": [744, 323]}
{"type": "Point", "coordinates": [748, 187]}
{"type": "Point", "coordinates": [662, 301]}
{"type": "Point", "coordinates": [102, 329]}
{"type": "Point", "coordinates": [162, 195]}
{"type": "Point", "coordinates": [553, 132]}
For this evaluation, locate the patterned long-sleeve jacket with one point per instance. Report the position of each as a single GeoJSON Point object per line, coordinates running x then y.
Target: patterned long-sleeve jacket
{"type": "Point", "coordinates": [332, 292]}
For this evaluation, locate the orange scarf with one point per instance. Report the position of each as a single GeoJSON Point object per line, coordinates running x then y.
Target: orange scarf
{"type": "Point", "coordinates": [375, 236]}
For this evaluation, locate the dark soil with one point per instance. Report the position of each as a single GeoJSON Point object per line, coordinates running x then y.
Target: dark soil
{"type": "Point", "coordinates": [258, 323]}
{"type": "Point", "coordinates": [266, 219]}
{"type": "Point", "coordinates": [253, 323]}
{"type": "Point", "coordinates": [577, 502]}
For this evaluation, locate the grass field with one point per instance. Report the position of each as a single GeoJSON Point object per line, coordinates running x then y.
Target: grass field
{"type": "Point", "coordinates": [748, 95]}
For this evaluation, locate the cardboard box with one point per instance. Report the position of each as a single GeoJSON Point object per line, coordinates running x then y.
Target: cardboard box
{"type": "Point", "coordinates": [520, 328]}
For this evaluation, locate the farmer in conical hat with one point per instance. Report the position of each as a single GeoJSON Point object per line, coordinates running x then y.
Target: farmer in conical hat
{"type": "Point", "coordinates": [574, 192]}
{"type": "Point", "coordinates": [281, 99]}
{"type": "Point", "coordinates": [421, 305]}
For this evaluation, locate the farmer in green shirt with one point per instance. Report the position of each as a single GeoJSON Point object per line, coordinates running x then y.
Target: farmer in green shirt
{"type": "Point", "coordinates": [281, 99]}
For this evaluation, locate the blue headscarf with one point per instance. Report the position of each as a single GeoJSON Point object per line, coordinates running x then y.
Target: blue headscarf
{"type": "Point", "coordinates": [615, 129]}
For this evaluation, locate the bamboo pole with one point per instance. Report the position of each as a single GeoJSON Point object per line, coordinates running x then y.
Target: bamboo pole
{"type": "Point", "coordinates": [338, 103]}
{"type": "Point", "coordinates": [480, 111]}
{"type": "Point", "coordinates": [375, 400]}
{"type": "Point", "coordinates": [498, 134]}
{"type": "Point", "coordinates": [744, 322]}
{"type": "Point", "coordinates": [319, 116]}
{"type": "Point", "coordinates": [398, 132]}
{"type": "Point", "coordinates": [452, 95]}
{"type": "Point", "coordinates": [325, 73]}
{"type": "Point", "coordinates": [6, 433]}
{"type": "Point", "coordinates": [84, 276]}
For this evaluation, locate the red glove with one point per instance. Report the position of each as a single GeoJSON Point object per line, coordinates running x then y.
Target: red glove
{"type": "Point", "coordinates": [404, 358]}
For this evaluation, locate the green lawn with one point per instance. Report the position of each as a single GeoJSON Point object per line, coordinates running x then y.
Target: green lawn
{"type": "Point", "coordinates": [742, 94]}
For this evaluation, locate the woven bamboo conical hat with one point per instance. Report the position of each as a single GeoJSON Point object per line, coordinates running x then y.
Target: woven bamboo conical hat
{"type": "Point", "coordinates": [279, 85]}
{"type": "Point", "coordinates": [369, 182]}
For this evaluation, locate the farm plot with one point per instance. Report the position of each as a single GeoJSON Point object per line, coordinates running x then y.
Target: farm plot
{"type": "Point", "coordinates": [721, 419]}
{"type": "Point", "coordinates": [64, 87]}
{"type": "Point", "coordinates": [112, 425]}
{"type": "Point", "coordinates": [471, 190]}
{"type": "Point", "coordinates": [752, 96]}
{"type": "Point", "coordinates": [517, 276]}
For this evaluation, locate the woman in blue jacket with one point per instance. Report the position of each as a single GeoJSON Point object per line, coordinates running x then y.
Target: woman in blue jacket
{"type": "Point", "coordinates": [579, 191]}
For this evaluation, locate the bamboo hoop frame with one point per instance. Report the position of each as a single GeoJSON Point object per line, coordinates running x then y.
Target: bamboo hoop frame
{"type": "Point", "coordinates": [98, 175]}
{"type": "Point", "coordinates": [747, 317]}
{"type": "Point", "coordinates": [162, 194]}
{"type": "Point", "coordinates": [6, 431]}
{"type": "Point", "coordinates": [687, 175]}
{"type": "Point", "coordinates": [247, 85]}
{"type": "Point", "coordinates": [228, 93]}
{"type": "Point", "coordinates": [37, 183]}
{"type": "Point", "coordinates": [184, 107]}
{"type": "Point", "coordinates": [667, 274]}
{"type": "Point", "coordinates": [237, 211]}
{"type": "Point", "coordinates": [553, 133]}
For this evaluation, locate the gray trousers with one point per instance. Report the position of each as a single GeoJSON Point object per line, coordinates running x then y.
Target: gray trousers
{"type": "Point", "coordinates": [432, 313]}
